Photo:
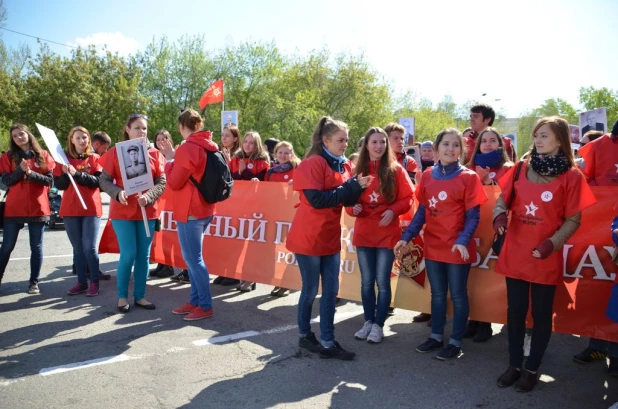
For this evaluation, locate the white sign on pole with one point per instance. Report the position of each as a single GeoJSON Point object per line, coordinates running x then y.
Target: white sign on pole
{"type": "Point", "coordinates": [55, 149]}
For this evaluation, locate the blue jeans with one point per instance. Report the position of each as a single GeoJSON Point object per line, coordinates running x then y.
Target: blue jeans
{"type": "Point", "coordinates": [191, 237]}
{"type": "Point", "coordinates": [311, 269]}
{"type": "Point", "coordinates": [611, 348]}
{"type": "Point", "coordinates": [9, 239]}
{"type": "Point", "coordinates": [83, 233]}
{"type": "Point", "coordinates": [376, 265]}
{"type": "Point", "coordinates": [442, 278]}
{"type": "Point", "coordinates": [134, 252]}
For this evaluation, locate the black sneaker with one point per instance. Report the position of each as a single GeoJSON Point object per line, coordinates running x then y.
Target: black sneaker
{"type": "Point", "coordinates": [471, 329]}
{"type": "Point", "coordinates": [166, 271]}
{"type": "Point", "coordinates": [613, 367]}
{"type": "Point", "coordinates": [588, 355]}
{"type": "Point", "coordinates": [483, 332]}
{"type": "Point", "coordinates": [229, 281]}
{"type": "Point", "coordinates": [103, 276]}
{"type": "Point", "coordinates": [509, 377]}
{"type": "Point", "coordinates": [183, 277]}
{"type": "Point", "coordinates": [218, 280]}
{"type": "Point", "coordinates": [310, 343]}
{"type": "Point", "coordinates": [155, 271]}
{"type": "Point", "coordinates": [336, 352]}
{"type": "Point", "coordinates": [430, 345]}
{"type": "Point", "coordinates": [449, 352]}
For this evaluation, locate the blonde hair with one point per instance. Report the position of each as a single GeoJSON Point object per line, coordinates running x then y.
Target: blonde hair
{"type": "Point", "coordinates": [285, 144]}
{"type": "Point", "coordinates": [258, 152]}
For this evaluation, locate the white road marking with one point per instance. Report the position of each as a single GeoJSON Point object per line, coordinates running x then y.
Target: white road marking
{"type": "Point", "coordinates": [28, 258]}
{"type": "Point", "coordinates": [203, 342]}
{"type": "Point", "coordinates": [85, 364]}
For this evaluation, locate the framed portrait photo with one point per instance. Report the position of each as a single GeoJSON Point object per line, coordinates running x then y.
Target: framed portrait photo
{"type": "Point", "coordinates": [134, 165]}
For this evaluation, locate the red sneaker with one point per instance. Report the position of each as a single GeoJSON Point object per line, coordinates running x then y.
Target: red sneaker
{"type": "Point", "coordinates": [78, 289]}
{"type": "Point", "coordinates": [93, 290]}
{"type": "Point", "coordinates": [185, 309]}
{"type": "Point", "coordinates": [198, 314]}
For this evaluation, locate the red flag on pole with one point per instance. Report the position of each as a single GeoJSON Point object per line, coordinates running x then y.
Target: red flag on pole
{"type": "Point", "coordinates": [213, 94]}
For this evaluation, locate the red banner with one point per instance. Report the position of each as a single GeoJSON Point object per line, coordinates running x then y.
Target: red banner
{"type": "Point", "coordinates": [248, 242]}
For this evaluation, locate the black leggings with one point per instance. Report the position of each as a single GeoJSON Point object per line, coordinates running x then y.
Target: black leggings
{"type": "Point", "coordinates": [518, 298]}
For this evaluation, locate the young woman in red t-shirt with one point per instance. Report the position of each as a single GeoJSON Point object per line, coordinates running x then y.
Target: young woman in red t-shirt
{"type": "Point", "coordinates": [490, 162]}
{"type": "Point", "coordinates": [282, 171]}
{"type": "Point", "coordinates": [230, 141]}
{"type": "Point", "coordinates": [81, 225]}
{"type": "Point", "coordinates": [126, 216]}
{"type": "Point", "coordinates": [324, 180]}
{"type": "Point", "coordinates": [550, 194]}
{"type": "Point", "coordinates": [250, 162]}
{"type": "Point", "coordinates": [376, 230]}
{"type": "Point", "coordinates": [27, 172]}
{"type": "Point", "coordinates": [450, 197]}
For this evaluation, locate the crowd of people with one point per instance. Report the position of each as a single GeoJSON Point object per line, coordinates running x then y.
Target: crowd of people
{"type": "Point", "coordinates": [378, 186]}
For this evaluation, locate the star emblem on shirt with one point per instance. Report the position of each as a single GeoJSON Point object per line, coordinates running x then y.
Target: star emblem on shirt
{"type": "Point", "coordinates": [433, 202]}
{"type": "Point", "coordinates": [374, 197]}
{"type": "Point", "coordinates": [531, 209]}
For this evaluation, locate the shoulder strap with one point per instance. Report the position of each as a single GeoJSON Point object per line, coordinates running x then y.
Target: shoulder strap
{"type": "Point", "coordinates": [517, 171]}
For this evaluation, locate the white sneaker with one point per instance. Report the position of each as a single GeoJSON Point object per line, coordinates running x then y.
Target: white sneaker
{"type": "Point", "coordinates": [376, 334]}
{"type": "Point", "coordinates": [527, 341]}
{"type": "Point", "coordinates": [363, 333]}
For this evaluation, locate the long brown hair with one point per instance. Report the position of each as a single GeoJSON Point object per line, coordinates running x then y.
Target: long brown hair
{"type": "Point", "coordinates": [132, 118]}
{"type": "Point", "coordinates": [258, 153]}
{"type": "Point", "coordinates": [236, 134]}
{"type": "Point", "coordinates": [325, 129]}
{"type": "Point", "coordinates": [501, 147]}
{"type": "Point", "coordinates": [560, 128]}
{"type": "Point", "coordinates": [16, 151]}
{"type": "Point", "coordinates": [386, 167]}
{"type": "Point", "coordinates": [166, 134]}
{"type": "Point", "coordinates": [72, 150]}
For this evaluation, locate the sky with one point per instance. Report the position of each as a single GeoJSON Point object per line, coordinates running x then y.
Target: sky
{"type": "Point", "coordinates": [517, 53]}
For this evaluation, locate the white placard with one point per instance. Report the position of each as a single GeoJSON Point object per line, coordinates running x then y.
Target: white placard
{"type": "Point", "coordinates": [408, 123]}
{"type": "Point", "coordinates": [595, 120]}
{"type": "Point", "coordinates": [134, 165]}
{"type": "Point", "coordinates": [229, 118]}
{"type": "Point", "coordinates": [55, 149]}
{"type": "Point", "coordinates": [53, 144]}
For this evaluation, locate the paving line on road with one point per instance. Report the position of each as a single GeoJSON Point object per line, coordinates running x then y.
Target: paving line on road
{"type": "Point", "coordinates": [203, 342]}
{"type": "Point", "coordinates": [28, 258]}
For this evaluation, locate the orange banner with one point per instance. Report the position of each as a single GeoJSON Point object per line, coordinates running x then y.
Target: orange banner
{"type": "Point", "coordinates": [246, 240]}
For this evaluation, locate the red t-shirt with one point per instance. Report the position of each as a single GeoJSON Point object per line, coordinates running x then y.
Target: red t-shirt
{"type": "Point", "coordinates": [407, 162]}
{"type": "Point", "coordinates": [27, 198]}
{"type": "Point", "coordinates": [537, 212]}
{"type": "Point", "coordinates": [601, 161]}
{"type": "Point", "coordinates": [254, 166]}
{"type": "Point", "coordinates": [316, 232]}
{"type": "Point", "coordinates": [446, 202]}
{"type": "Point", "coordinates": [367, 232]}
{"type": "Point", "coordinates": [280, 177]}
{"type": "Point", "coordinates": [71, 206]}
{"type": "Point", "coordinates": [132, 211]}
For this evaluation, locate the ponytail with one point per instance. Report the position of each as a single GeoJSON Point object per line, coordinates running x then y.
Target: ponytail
{"type": "Point", "coordinates": [325, 128]}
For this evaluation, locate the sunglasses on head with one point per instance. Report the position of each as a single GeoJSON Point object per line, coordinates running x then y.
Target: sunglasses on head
{"type": "Point", "coordinates": [133, 116]}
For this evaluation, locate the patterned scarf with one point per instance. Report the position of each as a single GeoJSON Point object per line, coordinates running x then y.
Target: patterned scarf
{"type": "Point", "coordinates": [549, 165]}
{"type": "Point", "coordinates": [281, 167]}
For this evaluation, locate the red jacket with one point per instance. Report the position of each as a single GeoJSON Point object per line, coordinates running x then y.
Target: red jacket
{"type": "Point", "coordinates": [601, 161]}
{"type": "Point", "coordinates": [132, 211]}
{"type": "Point", "coordinates": [71, 206]}
{"type": "Point", "coordinates": [27, 198]}
{"type": "Point", "coordinates": [280, 177]}
{"type": "Point", "coordinates": [190, 160]}
{"type": "Point", "coordinates": [367, 232]}
{"type": "Point", "coordinates": [255, 168]}
{"type": "Point", "coordinates": [408, 163]}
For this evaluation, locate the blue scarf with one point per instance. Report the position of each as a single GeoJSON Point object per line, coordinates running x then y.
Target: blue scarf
{"type": "Point", "coordinates": [491, 159]}
{"type": "Point", "coordinates": [340, 160]}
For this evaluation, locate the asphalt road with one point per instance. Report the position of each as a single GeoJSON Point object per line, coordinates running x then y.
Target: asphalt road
{"type": "Point", "coordinates": [60, 351]}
